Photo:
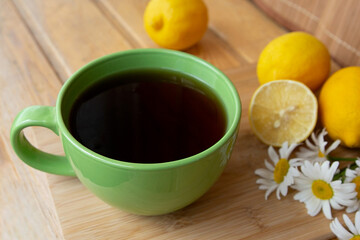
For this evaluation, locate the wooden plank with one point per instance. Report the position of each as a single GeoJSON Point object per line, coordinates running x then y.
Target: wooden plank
{"type": "Point", "coordinates": [341, 33]}
{"type": "Point", "coordinates": [71, 33]}
{"type": "Point", "coordinates": [234, 208]}
{"type": "Point", "coordinates": [295, 15]}
{"type": "Point", "coordinates": [243, 26]}
{"type": "Point", "coordinates": [127, 15]}
{"type": "Point", "coordinates": [27, 210]}
{"type": "Point", "coordinates": [317, 17]}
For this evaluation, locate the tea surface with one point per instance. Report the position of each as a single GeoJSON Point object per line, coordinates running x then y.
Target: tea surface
{"type": "Point", "coordinates": [147, 117]}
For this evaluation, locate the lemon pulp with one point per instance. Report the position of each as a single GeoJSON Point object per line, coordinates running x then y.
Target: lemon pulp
{"type": "Point", "coordinates": [283, 110]}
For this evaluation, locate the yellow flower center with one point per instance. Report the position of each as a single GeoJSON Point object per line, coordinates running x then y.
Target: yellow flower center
{"type": "Point", "coordinates": [356, 237]}
{"type": "Point", "coordinates": [357, 188]}
{"type": "Point", "coordinates": [320, 154]}
{"type": "Point", "coordinates": [322, 190]}
{"type": "Point", "coordinates": [281, 169]}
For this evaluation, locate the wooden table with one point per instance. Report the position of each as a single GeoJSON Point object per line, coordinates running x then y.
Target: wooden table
{"type": "Point", "coordinates": [43, 42]}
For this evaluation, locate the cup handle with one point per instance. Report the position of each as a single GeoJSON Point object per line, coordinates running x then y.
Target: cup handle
{"type": "Point", "coordinates": [43, 116]}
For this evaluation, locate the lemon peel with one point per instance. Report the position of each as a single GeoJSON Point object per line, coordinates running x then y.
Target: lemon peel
{"type": "Point", "coordinates": [297, 56]}
{"type": "Point", "coordinates": [176, 24]}
{"type": "Point", "coordinates": [339, 104]}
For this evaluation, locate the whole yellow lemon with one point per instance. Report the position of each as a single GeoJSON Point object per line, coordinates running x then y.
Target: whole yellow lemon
{"type": "Point", "coordinates": [297, 56]}
{"type": "Point", "coordinates": [176, 24]}
{"type": "Point", "coordinates": [339, 106]}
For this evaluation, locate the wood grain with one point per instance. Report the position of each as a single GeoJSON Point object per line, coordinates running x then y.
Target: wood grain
{"type": "Point", "coordinates": [71, 33]}
{"type": "Point", "coordinates": [26, 206]}
{"type": "Point", "coordinates": [333, 22]}
{"type": "Point", "coordinates": [127, 15]}
{"type": "Point", "coordinates": [62, 35]}
{"type": "Point", "coordinates": [232, 209]}
{"type": "Point", "coordinates": [226, 211]}
{"type": "Point", "coordinates": [243, 26]}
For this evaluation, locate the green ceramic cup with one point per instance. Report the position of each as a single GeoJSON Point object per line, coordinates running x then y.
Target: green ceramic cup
{"type": "Point", "coordinates": [145, 189]}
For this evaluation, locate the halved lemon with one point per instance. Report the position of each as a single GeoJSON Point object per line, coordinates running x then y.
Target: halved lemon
{"type": "Point", "coordinates": [283, 110]}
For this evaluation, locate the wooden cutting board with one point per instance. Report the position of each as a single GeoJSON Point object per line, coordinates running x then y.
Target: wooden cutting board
{"type": "Point", "coordinates": [234, 208]}
{"type": "Point", "coordinates": [71, 33]}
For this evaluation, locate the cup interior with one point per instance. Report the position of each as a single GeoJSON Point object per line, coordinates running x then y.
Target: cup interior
{"type": "Point", "coordinates": [205, 74]}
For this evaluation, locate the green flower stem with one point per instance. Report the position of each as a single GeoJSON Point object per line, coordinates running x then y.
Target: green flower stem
{"type": "Point", "coordinates": [341, 175]}
{"type": "Point", "coordinates": [340, 159]}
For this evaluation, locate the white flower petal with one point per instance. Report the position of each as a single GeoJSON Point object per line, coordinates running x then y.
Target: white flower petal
{"type": "Point", "coordinates": [278, 193]}
{"type": "Point", "coordinates": [269, 166]}
{"type": "Point", "coordinates": [302, 183]}
{"type": "Point", "coordinates": [326, 174]}
{"type": "Point", "coordinates": [310, 145]}
{"type": "Point", "coordinates": [350, 225]}
{"type": "Point", "coordinates": [346, 187]}
{"type": "Point", "coordinates": [283, 189]}
{"type": "Point", "coordinates": [332, 147]}
{"type": "Point", "coordinates": [273, 155]}
{"type": "Point", "coordinates": [339, 230]}
{"type": "Point", "coordinates": [314, 138]}
{"type": "Point", "coordinates": [288, 180]}
{"type": "Point", "coordinates": [331, 171]}
{"type": "Point", "coordinates": [353, 208]}
{"type": "Point", "coordinates": [307, 169]}
{"type": "Point", "coordinates": [290, 150]}
{"type": "Point", "coordinates": [322, 134]}
{"type": "Point", "coordinates": [326, 209]}
{"type": "Point", "coordinates": [313, 206]}
{"type": "Point", "coordinates": [263, 187]}
{"type": "Point", "coordinates": [270, 190]}
{"type": "Point", "coordinates": [306, 153]}
{"type": "Point", "coordinates": [264, 173]}
{"type": "Point", "coordinates": [321, 143]}
{"type": "Point", "coordinates": [303, 196]}
{"type": "Point", "coordinates": [344, 200]}
{"type": "Point", "coordinates": [296, 162]}
{"type": "Point", "coordinates": [357, 221]}
{"type": "Point", "coordinates": [283, 150]}
{"type": "Point", "coordinates": [293, 172]}
{"type": "Point", "coordinates": [350, 174]}
{"type": "Point", "coordinates": [265, 182]}
{"type": "Point", "coordinates": [334, 204]}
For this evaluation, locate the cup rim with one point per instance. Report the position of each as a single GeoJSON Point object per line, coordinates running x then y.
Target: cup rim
{"type": "Point", "coordinates": [148, 166]}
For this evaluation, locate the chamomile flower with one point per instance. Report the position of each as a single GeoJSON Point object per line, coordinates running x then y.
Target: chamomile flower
{"type": "Point", "coordinates": [342, 233]}
{"type": "Point", "coordinates": [353, 176]}
{"type": "Point", "coordinates": [319, 192]}
{"type": "Point", "coordinates": [279, 175]}
{"type": "Point", "coordinates": [315, 151]}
